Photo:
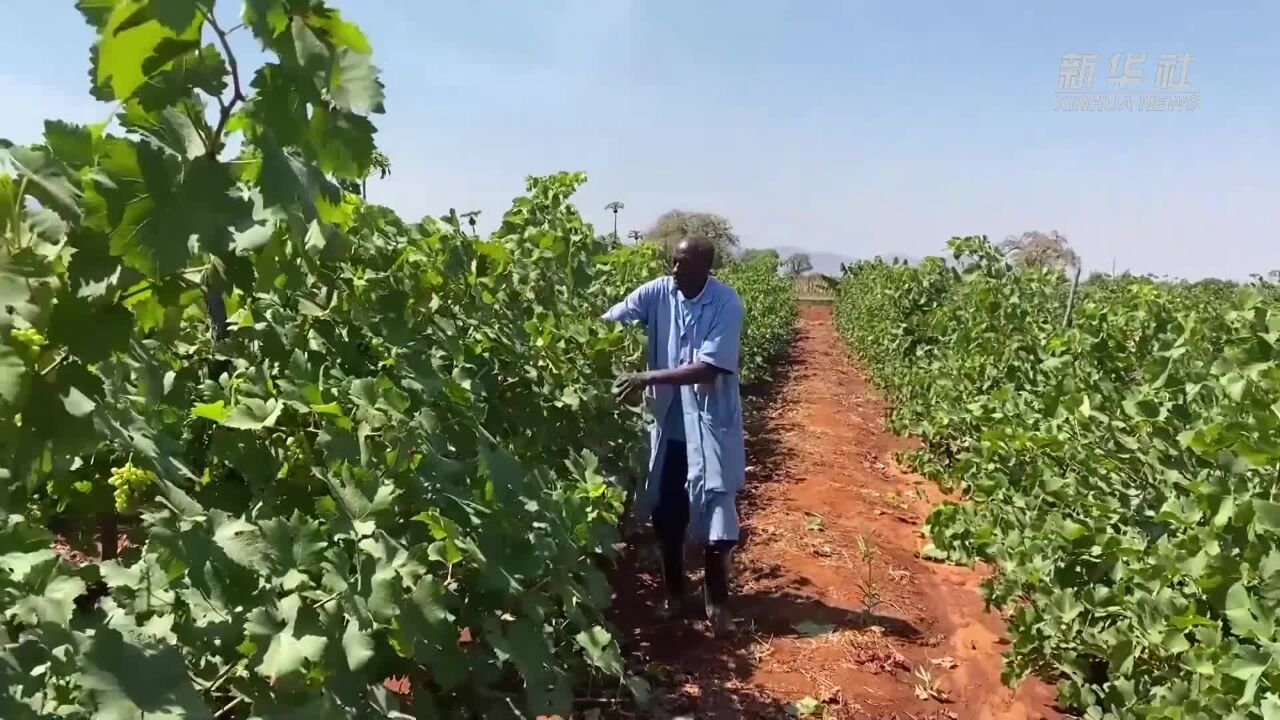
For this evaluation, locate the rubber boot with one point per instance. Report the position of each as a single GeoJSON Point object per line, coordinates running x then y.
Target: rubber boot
{"type": "Point", "coordinates": [675, 607]}
{"type": "Point", "coordinates": [716, 591]}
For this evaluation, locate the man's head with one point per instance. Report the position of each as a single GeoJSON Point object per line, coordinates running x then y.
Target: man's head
{"type": "Point", "coordinates": [693, 259]}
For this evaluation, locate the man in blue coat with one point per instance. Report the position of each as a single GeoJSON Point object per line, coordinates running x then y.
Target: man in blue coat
{"type": "Point", "coordinates": [697, 457]}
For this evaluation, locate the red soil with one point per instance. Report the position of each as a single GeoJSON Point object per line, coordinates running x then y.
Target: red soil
{"type": "Point", "coordinates": [821, 478]}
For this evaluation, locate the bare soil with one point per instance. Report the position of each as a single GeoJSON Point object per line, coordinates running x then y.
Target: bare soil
{"type": "Point", "coordinates": [832, 599]}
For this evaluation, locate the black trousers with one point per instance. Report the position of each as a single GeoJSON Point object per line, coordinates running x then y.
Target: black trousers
{"type": "Point", "coordinates": [671, 521]}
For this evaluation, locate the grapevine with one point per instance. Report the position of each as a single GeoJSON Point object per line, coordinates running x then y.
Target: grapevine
{"type": "Point", "coordinates": [770, 303]}
{"type": "Point", "coordinates": [1118, 472]}
{"type": "Point", "coordinates": [353, 440]}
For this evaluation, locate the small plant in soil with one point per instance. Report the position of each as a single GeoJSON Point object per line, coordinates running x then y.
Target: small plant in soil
{"type": "Point", "coordinates": [807, 707]}
{"type": "Point", "coordinates": [896, 501]}
{"type": "Point", "coordinates": [921, 494]}
{"type": "Point", "coordinates": [869, 585]}
{"type": "Point", "coordinates": [927, 687]}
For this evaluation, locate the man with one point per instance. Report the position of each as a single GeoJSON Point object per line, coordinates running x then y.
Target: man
{"type": "Point", "coordinates": [697, 457]}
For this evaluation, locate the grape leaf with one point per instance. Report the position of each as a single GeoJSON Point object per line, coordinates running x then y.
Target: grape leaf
{"type": "Point", "coordinates": [20, 565]}
{"type": "Point", "coordinates": [601, 652]}
{"type": "Point", "coordinates": [1267, 515]}
{"type": "Point", "coordinates": [240, 540]}
{"type": "Point", "coordinates": [49, 180]}
{"type": "Point", "coordinates": [358, 646]}
{"type": "Point", "coordinates": [267, 17]}
{"type": "Point", "coordinates": [1249, 665]}
{"type": "Point", "coordinates": [131, 678]}
{"type": "Point", "coordinates": [354, 85]}
{"type": "Point", "coordinates": [1245, 616]}
{"type": "Point", "coordinates": [53, 603]}
{"type": "Point", "coordinates": [1270, 707]}
{"type": "Point", "coordinates": [338, 31]}
{"type": "Point", "coordinates": [133, 42]}
{"type": "Point", "coordinates": [296, 542]}
{"type": "Point", "coordinates": [201, 69]}
{"type": "Point", "coordinates": [216, 411]}
{"type": "Point", "coordinates": [92, 331]}
{"type": "Point", "coordinates": [72, 144]}
{"type": "Point", "coordinates": [253, 414]}
{"type": "Point", "coordinates": [177, 15]}
{"type": "Point", "coordinates": [12, 371]}
{"type": "Point", "coordinates": [168, 127]}
{"type": "Point", "coordinates": [96, 12]}
{"type": "Point", "coordinates": [297, 642]}
{"type": "Point", "coordinates": [343, 142]}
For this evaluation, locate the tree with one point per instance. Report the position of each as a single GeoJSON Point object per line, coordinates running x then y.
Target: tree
{"type": "Point", "coordinates": [798, 264]}
{"type": "Point", "coordinates": [1035, 249]}
{"type": "Point", "coordinates": [758, 254]}
{"type": "Point", "coordinates": [635, 235]}
{"type": "Point", "coordinates": [615, 206]}
{"type": "Point", "coordinates": [677, 225]}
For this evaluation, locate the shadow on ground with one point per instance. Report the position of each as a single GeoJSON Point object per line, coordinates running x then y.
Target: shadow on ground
{"type": "Point", "coordinates": [695, 674]}
{"type": "Point", "coordinates": [692, 673]}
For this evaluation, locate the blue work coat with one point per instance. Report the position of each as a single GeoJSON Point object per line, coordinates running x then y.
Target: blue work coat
{"type": "Point", "coordinates": [679, 331]}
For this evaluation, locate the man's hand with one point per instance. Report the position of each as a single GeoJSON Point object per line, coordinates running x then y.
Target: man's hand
{"type": "Point", "coordinates": [694, 373]}
{"type": "Point", "coordinates": [628, 386]}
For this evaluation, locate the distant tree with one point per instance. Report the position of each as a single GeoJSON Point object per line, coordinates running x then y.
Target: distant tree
{"type": "Point", "coordinates": [798, 264]}
{"type": "Point", "coordinates": [1035, 249]}
{"type": "Point", "coordinates": [753, 254]}
{"type": "Point", "coordinates": [614, 207]}
{"type": "Point", "coordinates": [677, 225]}
{"type": "Point", "coordinates": [635, 235]}
{"type": "Point", "coordinates": [1274, 276]}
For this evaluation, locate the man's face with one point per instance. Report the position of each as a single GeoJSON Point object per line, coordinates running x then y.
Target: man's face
{"type": "Point", "coordinates": [690, 270]}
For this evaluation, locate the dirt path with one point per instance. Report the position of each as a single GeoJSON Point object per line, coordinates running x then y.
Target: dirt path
{"type": "Point", "coordinates": [824, 498]}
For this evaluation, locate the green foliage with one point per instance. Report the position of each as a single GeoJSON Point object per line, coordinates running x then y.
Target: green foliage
{"type": "Point", "coordinates": [351, 447]}
{"type": "Point", "coordinates": [807, 707]}
{"type": "Point", "coordinates": [354, 447]}
{"type": "Point", "coordinates": [754, 254]}
{"type": "Point", "coordinates": [1120, 474]}
{"type": "Point", "coordinates": [770, 305]}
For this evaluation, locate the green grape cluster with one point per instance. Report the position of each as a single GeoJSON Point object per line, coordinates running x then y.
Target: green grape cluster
{"type": "Point", "coordinates": [128, 479]}
{"type": "Point", "coordinates": [297, 455]}
{"type": "Point", "coordinates": [28, 336]}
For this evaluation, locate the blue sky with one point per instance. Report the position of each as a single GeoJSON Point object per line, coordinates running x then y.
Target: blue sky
{"type": "Point", "coordinates": [847, 127]}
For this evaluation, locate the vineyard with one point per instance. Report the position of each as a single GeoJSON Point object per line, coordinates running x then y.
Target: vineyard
{"type": "Point", "coordinates": [1117, 462]}
{"type": "Point", "coordinates": [771, 308]}
{"type": "Point", "coordinates": [324, 446]}
{"type": "Point", "coordinates": [272, 451]}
